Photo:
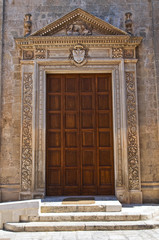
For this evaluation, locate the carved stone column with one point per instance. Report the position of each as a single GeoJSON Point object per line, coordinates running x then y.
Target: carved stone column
{"type": "Point", "coordinates": [134, 182]}
{"type": "Point", "coordinates": [26, 150]}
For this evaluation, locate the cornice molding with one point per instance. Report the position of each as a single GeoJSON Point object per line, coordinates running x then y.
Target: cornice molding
{"type": "Point", "coordinates": [51, 41]}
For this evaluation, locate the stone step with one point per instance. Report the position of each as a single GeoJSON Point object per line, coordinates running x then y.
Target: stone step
{"type": "Point", "coordinates": [87, 216]}
{"type": "Point", "coordinates": [99, 204]}
{"type": "Point", "coordinates": [79, 226]}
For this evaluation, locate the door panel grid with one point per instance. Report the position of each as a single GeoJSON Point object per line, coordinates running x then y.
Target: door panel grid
{"type": "Point", "coordinates": [79, 137]}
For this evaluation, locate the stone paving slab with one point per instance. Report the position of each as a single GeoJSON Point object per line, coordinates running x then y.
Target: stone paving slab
{"type": "Point", "coordinates": [80, 226]}
{"type": "Point", "coordinates": [93, 235]}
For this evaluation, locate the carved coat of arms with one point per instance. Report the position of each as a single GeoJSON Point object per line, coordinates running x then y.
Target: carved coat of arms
{"type": "Point", "coordinates": [78, 55]}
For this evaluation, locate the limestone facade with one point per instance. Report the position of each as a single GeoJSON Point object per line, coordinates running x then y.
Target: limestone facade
{"type": "Point", "coordinates": [133, 62]}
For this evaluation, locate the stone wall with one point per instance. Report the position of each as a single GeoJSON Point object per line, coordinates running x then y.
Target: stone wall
{"type": "Point", "coordinates": [145, 24]}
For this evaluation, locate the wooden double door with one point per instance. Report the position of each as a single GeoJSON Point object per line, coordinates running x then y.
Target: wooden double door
{"type": "Point", "coordinates": [79, 136]}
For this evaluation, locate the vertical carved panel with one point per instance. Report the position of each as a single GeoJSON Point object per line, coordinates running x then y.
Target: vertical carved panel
{"type": "Point", "coordinates": [133, 149]}
{"type": "Point", "coordinates": [26, 165]}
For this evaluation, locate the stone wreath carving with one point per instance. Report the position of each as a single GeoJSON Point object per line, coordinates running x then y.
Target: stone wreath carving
{"type": "Point", "coordinates": [78, 28]}
{"type": "Point", "coordinates": [26, 163]}
{"type": "Point", "coordinates": [133, 151]}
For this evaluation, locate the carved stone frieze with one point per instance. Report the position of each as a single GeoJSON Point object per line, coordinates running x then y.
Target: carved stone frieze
{"type": "Point", "coordinates": [40, 53]}
{"type": "Point", "coordinates": [79, 28]}
{"type": "Point", "coordinates": [26, 161]}
{"type": "Point", "coordinates": [117, 52]}
{"type": "Point", "coordinates": [78, 55]}
{"type": "Point", "coordinates": [133, 150]}
{"type": "Point", "coordinates": [28, 54]}
{"type": "Point", "coordinates": [4, 180]}
{"type": "Point", "coordinates": [128, 53]}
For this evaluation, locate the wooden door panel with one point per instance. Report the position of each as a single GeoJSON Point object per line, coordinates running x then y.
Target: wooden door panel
{"type": "Point", "coordinates": [103, 102]}
{"type": "Point", "coordinates": [104, 120]}
{"type": "Point", "coordinates": [103, 84]}
{"type": "Point", "coordinates": [88, 158]}
{"type": "Point", "coordinates": [79, 137]}
{"type": "Point", "coordinates": [54, 158]}
{"type": "Point", "coordinates": [105, 158]}
{"type": "Point", "coordinates": [104, 139]}
{"type": "Point", "coordinates": [54, 103]}
{"type": "Point", "coordinates": [54, 121]}
{"type": "Point", "coordinates": [71, 157]}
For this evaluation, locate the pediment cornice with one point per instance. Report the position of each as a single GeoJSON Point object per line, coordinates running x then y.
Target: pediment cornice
{"type": "Point", "coordinates": [83, 23]}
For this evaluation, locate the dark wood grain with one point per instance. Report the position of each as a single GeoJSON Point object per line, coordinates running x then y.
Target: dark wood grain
{"type": "Point", "coordinates": [79, 138]}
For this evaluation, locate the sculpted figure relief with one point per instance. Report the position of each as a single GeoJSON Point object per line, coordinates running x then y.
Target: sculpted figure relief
{"type": "Point", "coordinates": [78, 28]}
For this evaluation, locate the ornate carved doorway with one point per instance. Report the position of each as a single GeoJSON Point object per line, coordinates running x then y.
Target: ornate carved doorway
{"type": "Point", "coordinates": [79, 135]}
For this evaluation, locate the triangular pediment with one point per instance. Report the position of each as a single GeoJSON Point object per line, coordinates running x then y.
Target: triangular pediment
{"type": "Point", "coordinates": [79, 23]}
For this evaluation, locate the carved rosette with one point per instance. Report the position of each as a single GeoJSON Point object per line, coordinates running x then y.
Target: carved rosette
{"type": "Point", "coordinates": [128, 53]}
{"type": "Point", "coordinates": [26, 161]}
{"type": "Point", "coordinates": [28, 54]}
{"type": "Point", "coordinates": [133, 149]}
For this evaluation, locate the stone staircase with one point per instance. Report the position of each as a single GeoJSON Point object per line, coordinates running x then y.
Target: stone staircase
{"type": "Point", "coordinates": [87, 214]}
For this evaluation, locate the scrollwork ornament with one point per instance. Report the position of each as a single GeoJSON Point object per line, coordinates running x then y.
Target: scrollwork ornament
{"type": "Point", "coordinates": [26, 164]}
{"type": "Point", "coordinates": [133, 151]}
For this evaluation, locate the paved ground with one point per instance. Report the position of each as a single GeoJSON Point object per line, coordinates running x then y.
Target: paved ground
{"type": "Point", "coordinates": [94, 235]}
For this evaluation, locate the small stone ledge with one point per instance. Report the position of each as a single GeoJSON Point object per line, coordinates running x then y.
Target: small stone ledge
{"type": "Point", "coordinates": [11, 212]}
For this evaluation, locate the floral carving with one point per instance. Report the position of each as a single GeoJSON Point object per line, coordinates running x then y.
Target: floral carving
{"type": "Point", "coordinates": [117, 53]}
{"type": "Point", "coordinates": [133, 150]}
{"type": "Point", "coordinates": [26, 164]}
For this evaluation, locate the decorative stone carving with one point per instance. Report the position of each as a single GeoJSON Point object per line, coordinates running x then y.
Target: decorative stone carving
{"type": "Point", "coordinates": [40, 53]}
{"type": "Point", "coordinates": [26, 161]}
{"type": "Point", "coordinates": [4, 180]}
{"type": "Point", "coordinates": [128, 53]}
{"type": "Point", "coordinates": [117, 52]}
{"type": "Point", "coordinates": [28, 54]}
{"type": "Point", "coordinates": [78, 55]}
{"type": "Point", "coordinates": [79, 28]}
{"type": "Point", "coordinates": [133, 151]}
{"type": "Point", "coordinates": [128, 22]}
{"type": "Point", "coordinates": [27, 24]}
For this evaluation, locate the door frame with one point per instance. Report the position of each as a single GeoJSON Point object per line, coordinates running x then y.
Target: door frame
{"type": "Point", "coordinates": [123, 76]}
